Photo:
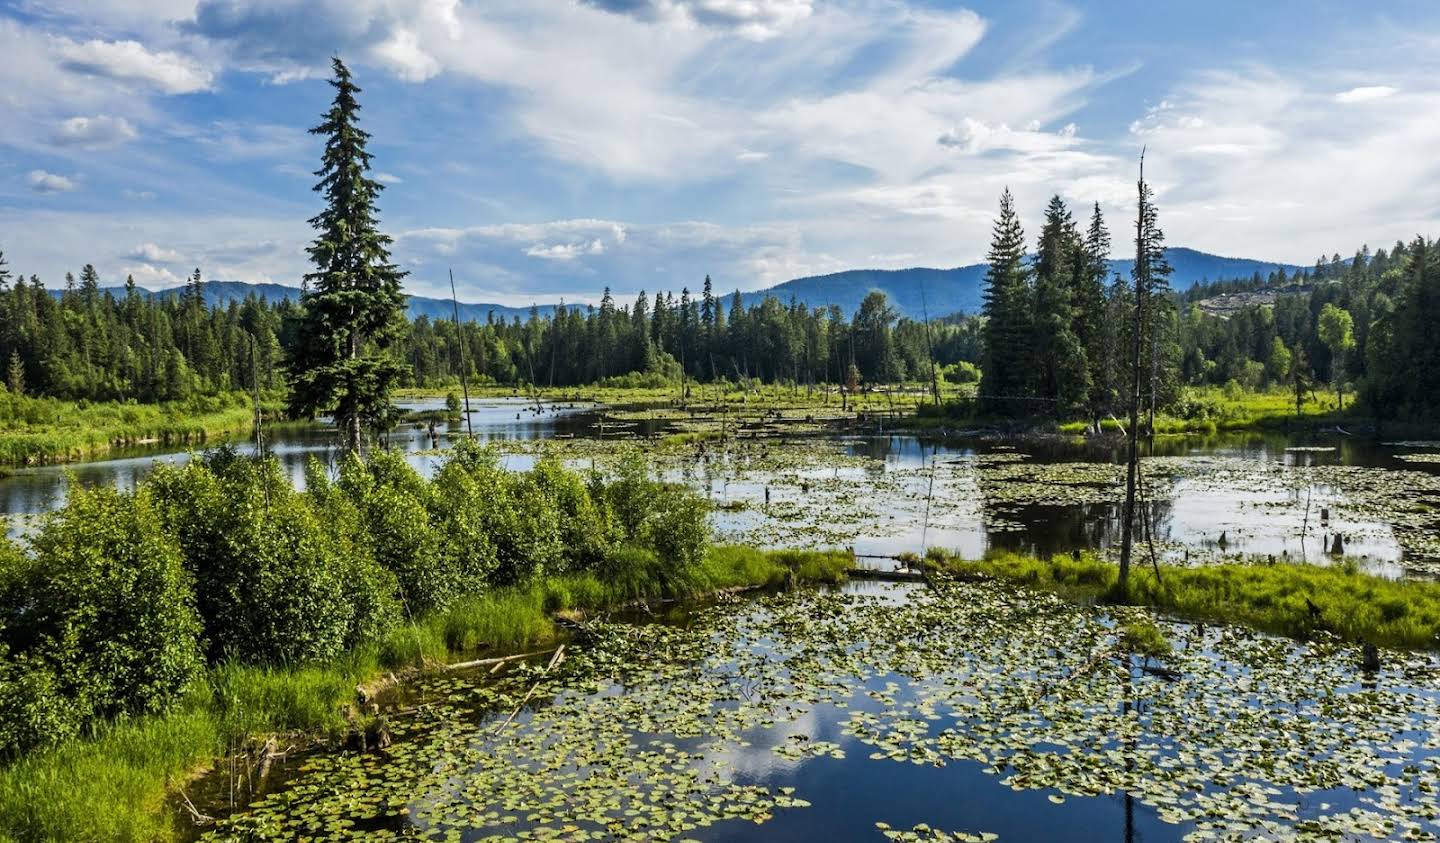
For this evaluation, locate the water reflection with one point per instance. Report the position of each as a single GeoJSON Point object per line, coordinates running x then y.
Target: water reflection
{"type": "Point", "coordinates": [888, 494]}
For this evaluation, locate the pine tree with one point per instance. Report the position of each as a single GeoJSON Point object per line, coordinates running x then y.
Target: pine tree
{"type": "Point", "coordinates": [15, 375]}
{"type": "Point", "coordinates": [1005, 377]}
{"type": "Point", "coordinates": [1059, 357]}
{"type": "Point", "coordinates": [353, 304]}
{"type": "Point", "coordinates": [1096, 333]}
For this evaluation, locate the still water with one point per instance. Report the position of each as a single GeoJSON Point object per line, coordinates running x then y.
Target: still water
{"type": "Point", "coordinates": [1203, 498]}
{"type": "Point", "coordinates": [816, 715]}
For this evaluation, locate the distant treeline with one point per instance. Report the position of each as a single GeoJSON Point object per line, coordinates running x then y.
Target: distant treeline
{"type": "Point", "coordinates": [87, 343]}
{"type": "Point", "coordinates": [1368, 321]}
{"type": "Point", "coordinates": [1057, 330]}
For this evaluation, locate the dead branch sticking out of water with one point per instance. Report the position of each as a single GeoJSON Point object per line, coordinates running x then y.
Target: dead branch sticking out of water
{"type": "Point", "coordinates": [554, 660]}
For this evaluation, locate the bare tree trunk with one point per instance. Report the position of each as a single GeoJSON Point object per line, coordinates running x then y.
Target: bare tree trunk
{"type": "Point", "coordinates": [1127, 525]}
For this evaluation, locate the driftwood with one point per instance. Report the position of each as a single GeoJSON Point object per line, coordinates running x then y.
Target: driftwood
{"type": "Point", "coordinates": [498, 660]}
{"type": "Point", "coordinates": [195, 815]}
{"type": "Point", "coordinates": [267, 753]}
{"type": "Point", "coordinates": [554, 660]}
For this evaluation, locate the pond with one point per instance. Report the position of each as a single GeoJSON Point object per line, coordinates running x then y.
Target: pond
{"type": "Point", "coordinates": [1235, 496]}
{"type": "Point", "coordinates": [961, 712]}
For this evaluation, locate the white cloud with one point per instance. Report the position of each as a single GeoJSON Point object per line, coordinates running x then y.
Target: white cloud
{"type": "Point", "coordinates": [401, 54]}
{"type": "Point", "coordinates": [132, 62]}
{"type": "Point", "coordinates": [1365, 94]}
{"type": "Point", "coordinates": [44, 182]}
{"type": "Point", "coordinates": [138, 195]}
{"type": "Point", "coordinates": [387, 178]}
{"type": "Point", "coordinates": [94, 132]}
{"type": "Point", "coordinates": [754, 19]}
{"type": "Point", "coordinates": [565, 251]}
{"type": "Point", "coordinates": [151, 253]}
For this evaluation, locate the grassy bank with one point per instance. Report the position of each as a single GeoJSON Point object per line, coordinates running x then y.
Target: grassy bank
{"type": "Point", "coordinates": [114, 784]}
{"type": "Point", "coordinates": [899, 397]}
{"type": "Point", "coordinates": [1211, 409]}
{"type": "Point", "coordinates": [36, 431]}
{"type": "Point", "coordinates": [1199, 409]}
{"type": "Point", "coordinates": [1357, 607]}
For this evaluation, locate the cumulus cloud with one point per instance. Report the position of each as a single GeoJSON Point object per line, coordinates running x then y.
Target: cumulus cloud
{"type": "Point", "coordinates": [294, 39]}
{"type": "Point", "coordinates": [565, 251]}
{"type": "Point", "coordinates": [1365, 94]}
{"type": "Point", "coordinates": [94, 132]}
{"type": "Point", "coordinates": [44, 182]}
{"type": "Point", "coordinates": [133, 63]}
{"type": "Point", "coordinates": [151, 253]}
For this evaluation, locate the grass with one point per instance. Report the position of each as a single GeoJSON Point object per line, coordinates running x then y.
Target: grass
{"type": "Point", "coordinates": [1356, 607]}
{"type": "Point", "coordinates": [50, 430]}
{"type": "Point", "coordinates": [1212, 409]}
{"type": "Point", "coordinates": [900, 397]}
{"type": "Point", "coordinates": [114, 785]}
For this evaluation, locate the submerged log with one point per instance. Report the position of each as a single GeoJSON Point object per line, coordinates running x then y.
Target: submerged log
{"type": "Point", "coordinates": [498, 660]}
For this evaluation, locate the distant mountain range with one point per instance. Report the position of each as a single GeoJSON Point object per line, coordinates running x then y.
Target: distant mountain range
{"type": "Point", "coordinates": [221, 293]}
{"type": "Point", "coordinates": [944, 291]}
{"type": "Point", "coordinates": [912, 292]}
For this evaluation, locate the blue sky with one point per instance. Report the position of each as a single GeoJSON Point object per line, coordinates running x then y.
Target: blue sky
{"type": "Point", "coordinates": [547, 148]}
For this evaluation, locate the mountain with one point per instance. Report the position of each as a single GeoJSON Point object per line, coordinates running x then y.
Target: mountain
{"type": "Point", "coordinates": [221, 293]}
{"type": "Point", "coordinates": [945, 291]}
{"type": "Point", "coordinates": [912, 292]}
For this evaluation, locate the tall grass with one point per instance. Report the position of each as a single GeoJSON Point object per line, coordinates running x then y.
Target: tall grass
{"type": "Point", "coordinates": [113, 784]}
{"type": "Point", "coordinates": [47, 430]}
{"type": "Point", "coordinates": [1357, 607]}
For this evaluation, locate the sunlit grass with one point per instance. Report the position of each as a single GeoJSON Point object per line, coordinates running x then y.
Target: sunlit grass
{"type": "Point", "coordinates": [1297, 600]}
{"type": "Point", "coordinates": [43, 430]}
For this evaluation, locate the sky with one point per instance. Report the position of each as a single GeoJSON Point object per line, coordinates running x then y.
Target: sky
{"type": "Point", "coordinates": [546, 149]}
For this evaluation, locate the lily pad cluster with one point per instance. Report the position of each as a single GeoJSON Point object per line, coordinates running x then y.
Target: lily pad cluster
{"type": "Point", "coordinates": [651, 731]}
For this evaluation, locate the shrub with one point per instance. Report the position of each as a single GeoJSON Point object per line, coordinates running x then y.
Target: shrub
{"type": "Point", "coordinates": [465, 547]}
{"type": "Point", "coordinates": [100, 621]}
{"type": "Point", "coordinates": [271, 585]}
{"type": "Point", "coordinates": [393, 504]}
{"type": "Point", "coordinates": [585, 534]}
{"type": "Point", "coordinates": [516, 512]}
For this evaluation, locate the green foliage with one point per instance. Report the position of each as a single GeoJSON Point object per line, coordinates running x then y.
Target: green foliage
{"type": "Point", "coordinates": [100, 621]}
{"type": "Point", "coordinates": [273, 584]}
{"type": "Point", "coordinates": [36, 430]}
{"type": "Point", "coordinates": [1008, 313]}
{"type": "Point", "coordinates": [353, 306]}
{"type": "Point", "coordinates": [112, 785]}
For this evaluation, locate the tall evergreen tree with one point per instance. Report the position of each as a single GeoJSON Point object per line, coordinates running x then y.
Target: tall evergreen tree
{"type": "Point", "coordinates": [353, 304]}
{"type": "Point", "coordinates": [1005, 379]}
{"type": "Point", "coordinates": [1059, 357]}
{"type": "Point", "coordinates": [1096, 333]}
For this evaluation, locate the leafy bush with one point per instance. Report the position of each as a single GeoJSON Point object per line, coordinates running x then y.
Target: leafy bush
{"type": "Point", "coordinates": [393, 504]}
{"type": "Point", "coordinates": [515, 512]}
{"type": "Point", "coordinates": [100, 621]}
{"type": "Point", "coordinates": [585, 533]}
{"type": "Point", "coordinates": [271, 581]}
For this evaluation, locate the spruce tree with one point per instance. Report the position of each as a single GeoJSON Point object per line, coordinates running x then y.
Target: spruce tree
{"type": "Point", "coordinates": [1005, 379]}
{"type": "Point", "coordinates": [1096, 333]}
{"type": "Point", "coordinates": [1059, 357]}
{"type": "Point", "coordinates": [353, 305]}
